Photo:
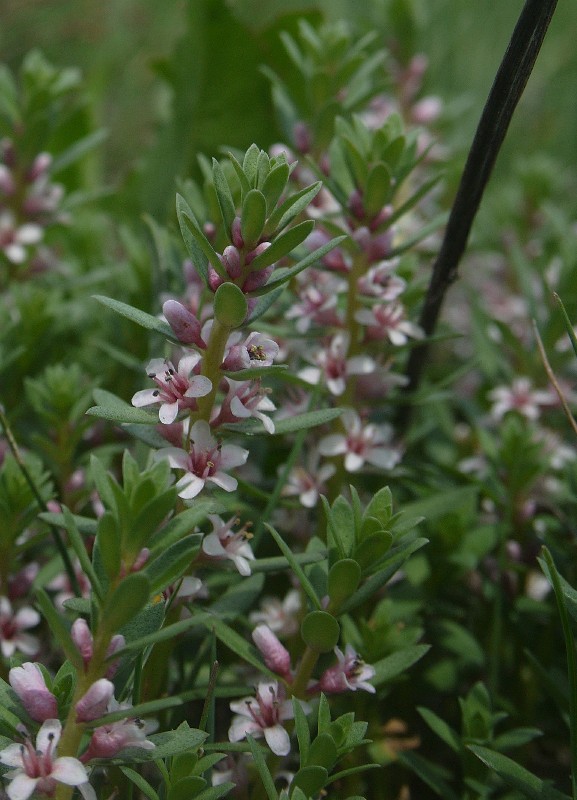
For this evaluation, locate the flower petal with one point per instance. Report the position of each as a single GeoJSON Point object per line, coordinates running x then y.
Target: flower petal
{"type": "Point", "coordinates": [278, 740]}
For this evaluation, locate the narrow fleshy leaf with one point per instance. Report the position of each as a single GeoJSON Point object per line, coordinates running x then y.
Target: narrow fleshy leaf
{"type": "Point", "coordinates": [296, 567]}
{"type": "Point", "coordinates": [517, 776]}
{"type": "Point", "coordinates": [263, 770]}
{"type": "Point", "coordinates": [309, 419]}
{"type": "Point", "coordinates": [112, 408]}
{"type": "Point", "coordinates": [188, 221]}
{"type": "Point", "coordinates": [283, 245]}
{"type": "Point", "coordinates": [136, 315]}
{"type": "Point", "coordinates": [253, 217]}
{"type": "Point", "coordinates": [59, 628]}
{"type": "Point", "coordinates": [79, 548]}
{"type": "Point", "coordinates": [129, 597]}
{"type": "Point", "coordinates": [223, 194]}
{"type": "Point", "coordinates": [291, 208]}
{"type": "Point", "coordinates": [140, 782]}
{"type": "Point", "coordinates": [281, 276]}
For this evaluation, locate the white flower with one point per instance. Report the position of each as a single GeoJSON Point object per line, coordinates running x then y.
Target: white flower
{"type": "Point", "coordinates": [520, 397]}
{"type": "Point", "coordinates": [262, 716]}
{"type": "Point", "coordinates": [176, 388]}
{"type": "Point", "coordinates": [12, 627]}
{"type": "Point", "coordinates": [14, 239]}
{"type": "Point", "coordinates": [37, 769]}
{"type": "Point", "coordinates": [350, 672]}
{"type": "Point", "coordinates": [360, 444]}
{"type": "Point", "coordinates": [223, 542]}
{"type": "Point", "coordinates": [204, 462]}
{"type": "Point", "coordinates": [335, 367]}
{"type": "Point", "coordinates": [281, 617]}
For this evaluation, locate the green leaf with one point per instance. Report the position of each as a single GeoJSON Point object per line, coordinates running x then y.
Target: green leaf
{"type": "Point", "coordinates": [263, 770]}
{"type": "Point", "coordinates": [188, 222]}
{"type": "Point", "coordinates": [342, 526]}
{"type": "Point", "coordinates": [249, 163]}
{"type": "Point", "coordinates": [140, 782]}
{"type": "Point", "coordinates": [162, 635]}
{"type": "Point", "coordinates": [344, 578]}
{"type": "Point", "coordinates": [372, 548]}
{"type": "Point", "coordinates": [196, 253]}
{"type": "Point", "coordinates": [310, 780]}
{"type": "Point", "coordinates": [172, 562]}
{"type": "Point", "coordinates": [283, 245]}
{"type": "Point", "coordinates": [224, 195]}
{"type": "Point", "coordinates": [186, 788]}
{"type": "Point", "coordinates": [310, 419]}
{"type": "Point", "coordinates": [129, 597]}
{"type": "Point", "coordinates": [114, 409]}
{"type": "Point", "coordinates": [320, 631]}
{"type": "Point", "coordinates": [230, 305]}
{"type": "Point", "coordinates": [238, 645]}
{"type": "Point", "coordinates": [274, 185]}
{"type": "Point", "coordinates": [59, 629]}
{"type": "Point", "coordinates": [79, 547]}
{"type": "Point", "coordinates": [381, 506]}
{"type": "Point", "coordinates": [568, 324]}
{"type": "Point", "coordinates": [77, 150]}
{"type": "Point", "coordinates": [433, 775]}
{"type": "Point", "coordinates": [296, 567]}
{"type": "Point", "coordinates": [290, 209]}
{"type": "Point", "coordinates": [517, 776]}
{"type": "Point", "coordinates": [302, 731]}
{"type": "Point", "coordinates": [139, 317]}
{"type": "Point", "coordinates": [239, 597]}
{"type": "Point", "coordinates": [395, 664]}
{"type": "Point", "coordinates": [441, 728]}
{"type": "Point", "coordinates": [253, 217]}
{"type": "Point", "coordinates": [323, 752]}
{"type": "Point", "coordinates": [284, 274]}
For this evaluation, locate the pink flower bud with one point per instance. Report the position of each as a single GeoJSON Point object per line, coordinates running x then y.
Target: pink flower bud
{"type": "Point", "coordinates": [257, 279]}
{"type": "Point", "coordinates": [356, 206]}
{"type": "Point", "coordinates": [214, 279]}
{"type": "Point", "coordinates": [141, 559]}
{"type": "Point", "coordinates": [209, 229]}
{"type": "Point", "coordinates": [7, 184]}
{"type": "Point", "coordinates": [276, 656]}
{"type": "Point", "coordinates": [95, 702]}
{"type": "Point", "coordinates": [236, 233]}
{"type": "Point", "coordinates": [231, 261]}
{"type": "Point", "coordinates": [29, 684]}
{"type": "Point", "coordinates": [185, 325]}
{"type": "Point", "coordinates": [39, 166]}
{"type": "Point", "coordinates": [302, 137]}
{"type": "Point", "coordinates": [260, 248]}
{"type": "Point", "coordinates": [82, 638]}
{"type": "Point", "coordinates": [116, 643]}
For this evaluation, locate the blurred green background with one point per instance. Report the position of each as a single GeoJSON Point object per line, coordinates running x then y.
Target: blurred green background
{"type": "Point", "coordinates": [173, 78]}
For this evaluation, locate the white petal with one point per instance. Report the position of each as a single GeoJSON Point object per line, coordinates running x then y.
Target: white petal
{"type": "Point", "coordinates": [360, 365]}
{"type": "Point", "coordinates": [240, 726]}
{"type": "Point", "coordinates": [29, 234]}
{"type": "Point", "coordinates": [336, 386]}
{"type": "Point", "coordinates": [21, 787]}
{"type": "Point", "coordinates": [49, 734]}
{"type": "Point", "coordinates": [353, 462]}
{"type": "Point", "coordinates": [199, 387]}
{"type": "Point", "coordinates": [212, 547]}
{"type": "Point", "coordinates": [333, 445]}
{"type": "Point", "coordinates": [187, 364]}
{"type": "Point", "coordinates": [12, 755]}
{"type": "Point", "coordinates": [310, 374]}
{"type": "Point", "coordinates": [145, 398]}
{"type": "Point", "coordinates": [238, 409]}
{"type": "Point", "coordinates": [232, 456]}
{"type": "Point", "coordinates": [156, 366]}
{"type": "Point", "coordinates": [226, 482]}
{"type": "Point", "coordinates": [267, 422]}
{"type": "Point", "coordinates": [168, 412]}
{"type": "Point", "coordinates": [26, 618]}
{"type": "Point", "coordinates": [382, 457]}
{"type": "Point", "coordinates": [242, 565]}
{"type": "Point", "coordinates": [278, 740]}
{"type": "Point", "coordinates": [177, 457]}
{"type": "Point", "coordinates": [69, 770]}
{"type": "Point", "coordinates": [15, 253]}
{"type": "Point", "coordinates": [189, 486]}
{"type": "Point", "coordinates": [201, 436]}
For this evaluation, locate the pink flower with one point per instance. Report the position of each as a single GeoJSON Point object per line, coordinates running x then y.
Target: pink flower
{"type": "Point", "coordinates": [223, 542]}
{"type": "Point", "coordinates": [256, 351]}
{"type": "Point", "coordinates": [176, 388]}
{"type": "Point", "coordinates": [35, 769]}
{"type": "Point", "coordinates": [369, 443]}
{"type": "Point", "coordinates": [262, 716]}
{"type": "Point", "coordinates": [388, 322]}
{"type": "Point", "coordinates": [245, 400]}
{"type": "Point", "coordinates": [280, 617]}
{"type": "Point", "coordinates": [317, 303]}
{"type": "Point", "coordinates": [108, 740]}
{"type": "Point", "coordinates": [12, 627]}
{"type": "Point", "coordinates": [520, 397]}
{"type": "Point", "coordinates": [94, 703]}
{"type": "Point", "coordinates": [349, 673]}
{"type": "Point", "coordinates": [380, 281]}
{"type": "Point", "coordinates": [276, 656]}
{"type": "Point", "coordinates": [204, 462]}
{"type": "Point", "coordinates": [335, 367]}
{"type": "Point", "coordinates": [309, 483]}
{"type": "Point", "coordinates": [29, 684]}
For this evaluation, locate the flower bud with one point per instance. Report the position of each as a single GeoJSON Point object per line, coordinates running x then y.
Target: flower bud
{"type": "Point", "coordinates": [276, 656]}
{"type": "Point", "coordinates": [29, 684]}
{"type": "Point", "coordinates": [257, 251]}
{"type": "Point", "coordinates": [94, 703]}
{"type": "Point", "coordinates": [231, 261]}
{"type": "Point", "coordinates": [82, 638]}
{"type": "Point", "coordinates": [185, 325]}
{"type": "Point", "coordinates": [236, 234]}
{"type": "Point", "coordinates": [257, 279]}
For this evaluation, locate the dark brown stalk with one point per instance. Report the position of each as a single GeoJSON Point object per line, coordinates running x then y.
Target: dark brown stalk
{"type": "Point", "coordinates": [510, 81]}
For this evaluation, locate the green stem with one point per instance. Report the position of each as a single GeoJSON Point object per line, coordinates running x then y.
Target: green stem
{"type": "Point", "coordinates": [305, 671]}
{"type": "Point", "coordinates": [211, 368]}
{"type": "Point", "coordinates": [571, 664]}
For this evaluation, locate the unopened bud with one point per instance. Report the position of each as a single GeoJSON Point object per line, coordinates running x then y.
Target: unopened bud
{"type": "Point", "coordinates": [236, 234]}
{"type": "Point", "coordinates": [231, 261]}
{"type": "Point", "coordinates": [185, 325]}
